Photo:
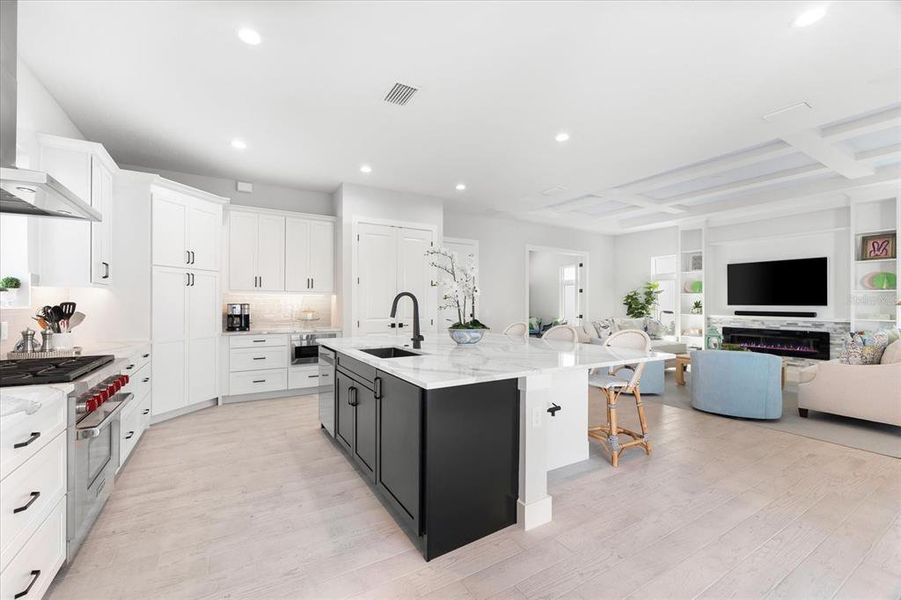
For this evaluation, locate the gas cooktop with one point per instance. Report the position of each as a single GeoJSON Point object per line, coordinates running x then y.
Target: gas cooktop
{"type": "Point", "coordinates": [34, 371]}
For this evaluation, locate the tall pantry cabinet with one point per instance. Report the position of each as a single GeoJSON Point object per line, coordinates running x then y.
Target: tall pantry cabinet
{"type": "Point", "coordinates": [186, 290]}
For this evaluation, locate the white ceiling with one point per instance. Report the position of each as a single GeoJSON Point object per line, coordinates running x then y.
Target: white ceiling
{"type": "Point", "coordinates": [642, 87]}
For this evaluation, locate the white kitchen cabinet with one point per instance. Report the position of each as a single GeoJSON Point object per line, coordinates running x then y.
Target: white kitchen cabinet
{"type": "Point", "coordinates": [389, 260]}
{"type": "Point", "coordinates": [186, 315]}
{"type": "Point", "coordinates": [309, 255]}
{"type": "Point", "coordinates": [256, 251]}
{"type": "Point", "coordinates": [185, 231]}
{"type": "Point", "coordinates": [136, 414]}
{"type": "Point", "coordinates": [77, 253]}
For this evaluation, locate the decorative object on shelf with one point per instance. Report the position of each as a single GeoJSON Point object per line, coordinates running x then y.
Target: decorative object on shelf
{"type": "Point", "coordinates": [692, 331]}
{"type": "Point", "coordinates": [696, 262]}
{"type": "Point", "coordinates": [459, 293]}
{"type": "Point", "coordinates": [714, 339]}
{"type": "Point", "coordinates": [878, 246]}
{"type": "Point", "coordinates": [309, 315]}
{"type": "Point", "coordinates": [9, 290]}
{"type": "Point", "coordinates": [641, 302]}
{"type": "Point", "coordinates": [880, 280]}
{"type": "Point", "coordinates": [693, 287]}
{"type": "Point", "coordinates": [697, 307]}
{"type": "Point", "coordinates": [733, 347]}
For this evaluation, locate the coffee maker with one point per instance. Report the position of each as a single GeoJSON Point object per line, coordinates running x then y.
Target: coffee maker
{"type": "Point", "coordinates": [237, 317]}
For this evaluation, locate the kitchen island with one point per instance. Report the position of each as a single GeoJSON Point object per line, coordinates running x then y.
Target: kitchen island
{"type": "Point", "coordinates": [458, 440]}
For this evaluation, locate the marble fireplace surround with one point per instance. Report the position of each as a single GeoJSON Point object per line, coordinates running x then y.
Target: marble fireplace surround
{"type": "Point", "coordinates": [837, 329]}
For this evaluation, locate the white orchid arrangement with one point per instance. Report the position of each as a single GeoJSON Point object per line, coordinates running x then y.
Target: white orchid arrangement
{"type": "Point", "coordinates": [459, 288]}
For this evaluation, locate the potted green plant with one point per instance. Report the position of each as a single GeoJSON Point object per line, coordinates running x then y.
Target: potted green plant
{"type": "Point", "coordinates": [697, 308]}
{"type": "Point", "coordinates": [640, 302]}
{"type": "Point", "coordinates": [10, 290]}
{"type": "Point", "coordinates": [459, 291]}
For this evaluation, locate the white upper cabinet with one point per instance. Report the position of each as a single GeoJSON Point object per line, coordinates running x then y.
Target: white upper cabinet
{"type": "Point", "coordinates": [309, 255]}
{"type": "Point", "coordinates": [185, 231]}
{"type": "Point", "coordinates": [275, 251]}
{"type": "Point", "coordinates": [77, 253]}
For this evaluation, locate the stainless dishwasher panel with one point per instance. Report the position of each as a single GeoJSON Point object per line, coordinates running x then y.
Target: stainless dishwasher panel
{"type": "Point", "coordinates": [327, 389]}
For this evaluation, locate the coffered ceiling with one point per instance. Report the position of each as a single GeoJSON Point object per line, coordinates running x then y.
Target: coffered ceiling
{"type": "Point", "coordinates": [664, 102]}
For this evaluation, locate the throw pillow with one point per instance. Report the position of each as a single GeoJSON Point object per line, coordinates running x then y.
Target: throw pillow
{"type": "Point", "coordinates": [866, 348]}
{"type": "Point", "coordinates": [622, 324]}
{"type": "Point", "coordinates": [852, 347]}
{"type": "Point", "coordinates": [604, 328]}
{"type": "Point", "coordinates": [892, 353]}
{"type": "Point", "coordinates": [655, 328]}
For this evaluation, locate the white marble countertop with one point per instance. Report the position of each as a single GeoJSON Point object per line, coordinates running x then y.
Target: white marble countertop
{"type": "Point", "coordinates": [442, 363]}
{"type": "Point", "coordinates": [119, 349]}
{"type": "Point", "coordinates": [277, 330]}
{"type": "Point", "coordinates": [29, 398]}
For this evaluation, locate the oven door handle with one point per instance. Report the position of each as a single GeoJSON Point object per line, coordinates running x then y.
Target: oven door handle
{"type": "Point", "coordinates": [92, 432]}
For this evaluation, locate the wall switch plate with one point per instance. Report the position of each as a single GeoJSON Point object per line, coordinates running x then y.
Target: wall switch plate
{"type": "Point", "coordinates": [4, 331]}
{"type": "Point", "coordinates": [536, 417]}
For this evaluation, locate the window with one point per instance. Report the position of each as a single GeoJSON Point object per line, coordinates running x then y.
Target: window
{"type": "Point", "coordinates": [569, 299]}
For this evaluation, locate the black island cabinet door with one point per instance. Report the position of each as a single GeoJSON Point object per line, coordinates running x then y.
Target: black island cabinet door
{"type": "Point", "coordinates": [400, 447]}
{"type": "Point", "coordinates": [365, 427]}
{"type": "Point", "coordinates": [344, 411]}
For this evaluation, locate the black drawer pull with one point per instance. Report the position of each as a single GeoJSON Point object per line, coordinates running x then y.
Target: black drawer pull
{"type": "Point", "coordinates": [259, 381]}
{"type": "Point", "coordinates": [313, 376]}
{"type": "Point", "coordinates": [378, 388]}
{"type": "Point", "coordinates": [34, 496]}
{"type": "Point", "coordinates": [34, 577]}
{"type": "Point", "coordinates": [129, 367]}
{"type": "Point", "coordinates": [146, 379]}
{"type": "Point", "coordinates": [258, 341]}
{"type": "Point", "coordinates": [130, 435]}
{"type": "Point", "coordinates": [259, 358]}
{"type": "Point", "coordinates": [145, 356]}
{"type": "Point", "coordinates": [34, 435]}
{"type": "Point", "coordinates": [146, 411]}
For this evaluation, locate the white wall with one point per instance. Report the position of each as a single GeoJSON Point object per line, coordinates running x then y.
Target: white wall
{"type": "Point", "coordinates": [353, 202]}
{"type": "Point", "coordinates": [544, 283]}
{"type": "Point", "coordinates": [633, 252]}
{"type": "Point", "coordinates": [264, 195]}
{"type": "Point", "coordinates": [502, 258]}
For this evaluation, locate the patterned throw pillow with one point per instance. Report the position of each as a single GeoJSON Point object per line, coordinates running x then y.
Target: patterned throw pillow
{"type": "Point", "coordinates": [866, 348]}
{"type": "Point", "coordinates": [654, 328]}
{"type": "Point", "coordinates": [604, 328]}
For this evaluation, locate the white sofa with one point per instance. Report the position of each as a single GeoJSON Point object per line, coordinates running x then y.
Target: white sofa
{"type": "Point", "coordinates": [870, 392]}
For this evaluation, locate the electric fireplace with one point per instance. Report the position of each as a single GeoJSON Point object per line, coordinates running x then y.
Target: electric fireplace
{"type": "Point", "coordinates": [782, 342]}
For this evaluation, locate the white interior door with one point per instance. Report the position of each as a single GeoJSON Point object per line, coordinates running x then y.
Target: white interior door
{"type": "Point", "coordinates": [322, 256]}
{"type": "Point", "coordinates": [203, 238]}
{"type": "Point", "coordinates": [377, 277]}
{"type": "Point", "coordinates": [168, 232]}
{"type": "Point", "coordinates": [468, 254]}
{"type": "Point", "coordinates": [414, 275]}
{"type": "Point", "coordinates": [271, 257]}
{"type": "Point", "coordinates": [298, 247]}
{"type": "Point", "coordinates": [243, 247]}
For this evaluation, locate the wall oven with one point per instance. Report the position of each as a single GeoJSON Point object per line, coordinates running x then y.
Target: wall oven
{"type": "Point", "coordinates": [305, 347]}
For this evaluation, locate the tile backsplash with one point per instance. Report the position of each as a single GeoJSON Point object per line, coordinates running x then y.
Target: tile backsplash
{"type": "Point", "coordinates": [284, 310]}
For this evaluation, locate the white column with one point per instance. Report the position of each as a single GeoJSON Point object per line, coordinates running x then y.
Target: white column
{"type": "Point", "coordinates": [534, 505]}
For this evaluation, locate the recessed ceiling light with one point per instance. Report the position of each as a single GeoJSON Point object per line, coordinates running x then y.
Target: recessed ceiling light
{"type": "Point", "coordinates": [562, 136]}
{"type": "Point", "coordinates": [461, 187]}
{"type": "Point", "coordinates": [250, 36]}
{"type": "Point", "coordinates": [366, 169]}
{"type": "Point", "coordinates": [809, 17]}
{"type": "Point", "coordinates": [239, 144]}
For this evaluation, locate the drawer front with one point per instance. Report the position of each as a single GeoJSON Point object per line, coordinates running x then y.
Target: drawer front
{"type": "Point", "coordinates": [258, 341]}
{"type": "Point", "coordinates": [251, 382]}
{"type": "Point", "coordinates": [28, 495]}
{"type": "Point", "coordinates": [144, 407]}
{"type": "Point", "coordinates": [39, 560]}
{"type": "Point", "coordinates": [137, 361]}
{"type": "Point", "coordinates": [303, 377]}
{"type": "Point", "coordinates": [139, 382]}
{"type": "Point", "coordinates": [257, 359]}
{"type": "Point", "coordinates": [23, 435]}
{"type": "Point", "coordinates": [129, 430]}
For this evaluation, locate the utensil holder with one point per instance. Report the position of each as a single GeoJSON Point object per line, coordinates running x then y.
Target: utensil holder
{"type": "Point", "coordinates": [63, 341]}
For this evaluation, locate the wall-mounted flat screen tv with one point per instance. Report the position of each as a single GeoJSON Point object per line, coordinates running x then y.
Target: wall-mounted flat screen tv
{"type": "Point", "coordinates": [797, 282]}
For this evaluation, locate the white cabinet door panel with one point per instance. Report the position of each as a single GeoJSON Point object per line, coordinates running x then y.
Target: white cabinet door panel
{"type": "Point", "coordinates": [243, 236]}
{"type": "Point", "coordinates": [297, 255]}
{"type": "Point", "coordinates": [271, 257]}
{"type": "Point", "coordinates": [168, 390]}
{"type": "Point", "coordinates": [203, 237]}
{"type": "Point", "coordinates": [377, 272]}
{"type": "Point", "coordinates": [169, 218]}
{"type": "Point", "coordinates": [322, 256]}
{"type": "Point", "coordinates": [202, 372]}
{"type": "Point", "coordinates": [169, 297]}
{"type": "Point", "coordinates": [204, 315]}
{"type": "Point", "coordinates": [102, 232]}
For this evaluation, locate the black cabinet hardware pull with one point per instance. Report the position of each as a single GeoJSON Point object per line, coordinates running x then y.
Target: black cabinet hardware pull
{"type": "Point", "coordinates": [34, 496]}
{"type": "Point", "coordinates": [258, 341]}
{"type": "Point", "coordinates": [259, 358]}
{"type": "Point", "coordinates": [400, 325]}
{"type": "Point", "coordinates": [378, 388]}
{"type": "Point", "coordinates": [187, 257]}
{"type": "Point", "coordinates": [312, 283]}
{"type": "Point", "coordinates": [106, 270]}
{"type": "Point", "coordinates": [34, 435]}
{"type": "Point", "coordinates": [553, 409]}
{"type": "Point", "coordinates": [259, 381]}
{"type": "Point", "coordinates": [34, 577]}
{"type": "Point", "coordinates": [129, 367]}
{"type": "Point", "coordinates": [313, 376]}
{"type": "Point", "coordinates": [392, 325]}
{"type": "Point", "coordinates": [146, 379]}
{"type": "Point", "coordinates": [146, 411]}
{"type": "Point", "coordinates": [145, 355]}
{"type": "Point", "coordinates": [130, 434]}
{"type": "Point", "coordinates": [352, 396]}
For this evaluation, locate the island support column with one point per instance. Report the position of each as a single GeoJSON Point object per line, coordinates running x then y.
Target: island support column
{"type": "Point", "coordinates": [534, 505]}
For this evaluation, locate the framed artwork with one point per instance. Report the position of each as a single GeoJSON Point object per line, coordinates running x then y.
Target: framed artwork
{"type": "Point", "coordinates": [878, 246]}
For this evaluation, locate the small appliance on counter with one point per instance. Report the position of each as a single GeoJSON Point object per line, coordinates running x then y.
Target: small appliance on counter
{"type": "Point", "coordinates": [237, 317]}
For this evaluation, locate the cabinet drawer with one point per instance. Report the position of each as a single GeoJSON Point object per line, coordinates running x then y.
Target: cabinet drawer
{"type": "Point", "coordinates": [257, 341]}
{"type": "Point", "coordinates": [139, 382]}
{"type": "Point", "coordinates": [137, 361]}
{"type": "Point", "coordinates": [303, 377]}
{"type": "Point", "coordinates": [251, 382]}
{"type": "Point", "coordinates": [256, 359]}
{"type": "Point", "coordinates": [29, 493]}
{"type": "Point", "coordinates": [34, 567]}
{"type": "Point", "coordinates": [30, 432]}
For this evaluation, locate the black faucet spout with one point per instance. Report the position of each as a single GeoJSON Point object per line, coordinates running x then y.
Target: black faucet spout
{"type": "Point", "coordinates": [417, 336]}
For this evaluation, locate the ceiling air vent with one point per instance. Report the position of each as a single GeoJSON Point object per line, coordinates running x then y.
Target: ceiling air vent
{"type": "Point", "coordinates": [400, 94]}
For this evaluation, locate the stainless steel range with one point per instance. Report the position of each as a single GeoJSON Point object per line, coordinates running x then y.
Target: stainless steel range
{"type": "Point", "coordinates": [92, 430]}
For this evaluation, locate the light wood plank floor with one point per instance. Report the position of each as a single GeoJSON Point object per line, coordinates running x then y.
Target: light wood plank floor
{"type": "Point", "coordinates": [252, 501]}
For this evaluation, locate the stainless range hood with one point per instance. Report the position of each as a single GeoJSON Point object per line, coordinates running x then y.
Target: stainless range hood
{"type": "Point", "coordinates": [23, 191]}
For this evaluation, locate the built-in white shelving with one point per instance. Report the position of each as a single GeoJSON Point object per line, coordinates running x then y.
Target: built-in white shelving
{"type": "Point", "coordinates": [872, 308]}
{"type": "Point", "coordinates": [691, 326]}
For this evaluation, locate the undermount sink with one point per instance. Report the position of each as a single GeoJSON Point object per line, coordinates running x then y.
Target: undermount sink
{"type": "Point", "coordinates": [389, 352]}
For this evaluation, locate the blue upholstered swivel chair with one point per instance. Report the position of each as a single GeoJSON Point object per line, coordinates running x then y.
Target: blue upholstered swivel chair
{"type": "Point", "coordinates": [737, 384]}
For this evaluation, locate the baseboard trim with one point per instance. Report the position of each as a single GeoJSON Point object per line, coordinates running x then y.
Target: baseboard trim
{"type": "Point", "coordinates": [269, 395]}
{"type": "Point", "coordinates": [183, 411]}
